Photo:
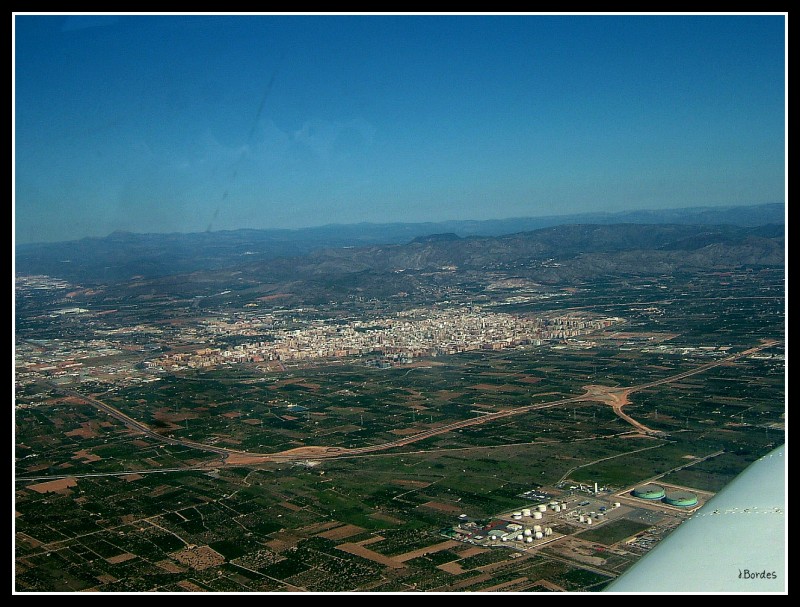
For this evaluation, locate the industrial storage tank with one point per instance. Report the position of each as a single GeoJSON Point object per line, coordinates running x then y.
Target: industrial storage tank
{"type": "Point", "coordinates": [548, 531]}
{"type": "Point", "coordinates": [537, 528]}
{"type": "Point", "coordinates": [588, 521]}
{"type": "Point", "coordinates": [527, 532]}
{"type": "Point", "coordinates": [493, 537]}
{"type": "Point", "coordinates": [564, 505]}
{"type": "Point", "coordinates": [529, 540]}
{"type": "Point", "coordinates": [539, 535]}
{"type": "Point", "coordinates": [537, 515]}
{"type": "Point", "coordinates": [526, 512]}
{"type": "Point", "coordinates": [582, 519]}
{"type": "Point", "coordinates": [683, 499]}
{"type": "Point", "coordinates": [649, 492]}
{"type": "Point", "coordinates": [520, 537]}
{"type": "Point", "coordinates": [557, 508]}
{"type": "Point", "coordinates": [516, 517]}
{"type": "Point", "coordinates": [617, 504]}
{"type": "Point", "coordinates": [541, 508]}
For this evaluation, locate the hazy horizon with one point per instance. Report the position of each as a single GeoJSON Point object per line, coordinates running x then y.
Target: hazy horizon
{"type": "Point", "coordinates": [163, 124]}
{"type": "Point", "coordinates": [322, 226]}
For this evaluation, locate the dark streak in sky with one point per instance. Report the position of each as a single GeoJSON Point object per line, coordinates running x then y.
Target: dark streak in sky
{"type": "Point", "coordinates": [261, 105]}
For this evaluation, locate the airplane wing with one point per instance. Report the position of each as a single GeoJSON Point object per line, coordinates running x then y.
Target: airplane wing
{"type": "Point", "coordinates": [735, 543]}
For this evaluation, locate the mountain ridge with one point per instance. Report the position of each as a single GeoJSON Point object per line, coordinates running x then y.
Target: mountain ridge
{"type": "Point", "coordinates": [124, 254]}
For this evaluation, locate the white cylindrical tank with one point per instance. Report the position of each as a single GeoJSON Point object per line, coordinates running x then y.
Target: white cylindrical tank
{"type": "Point", "coordinates": [617, 504]}
{"type": "Point", "coordinates": [541, 508]}
{"type": "Point", "coordinates": [548, 531]}
{"type": "Point", "coordinates": [526, 512]}
{"type": "Point", "coordinates": [537, 515]}
{"type": "Point", "coordinates": [600, 516]}
{"type": "Point", "coordinates": [520, 537]}
{"type": "Point", "coordinates": [517, 514]}
{"type": "Point", "coordinates": [589, 521]}
{"type": "Point", "coordinates": [493, 537]}
{"type": "Point", "coordinates": [564, 505]}
{"type": "Point", "coordinates": [527, 533]}
{"type": "Point", "coordinates": [582, 518]}
{"type": "Point", "coordinates": [539, 535]}
{"type": "Point", "coordinates": [529, 540]}
{"type": "Point", "coordinates": [537, 528]}
{"type": "Point", "coordinates": [504, 538]}
{"type": "Point", "coordinates": [516, 517]}
{"type": "Point", "coordinates": [557, 508]}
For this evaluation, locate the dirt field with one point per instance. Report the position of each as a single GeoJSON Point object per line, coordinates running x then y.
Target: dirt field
{"type": "Point", "coordinates": [73, 400]}
{"type": "Point", "coordinates": [170, 567]}
{"type": "Point", "coordinates": [282, 541]}
{"type": "Point", "coordinates": [453, 568]}
{"type": "Point", "coordinates": [187, 585]}
{"type": "Point", "coordinates": [366, 553]}
{"type": "Point", "coordinates": [295, 382]}
{"type": "Point", "coordinates": [442, 507]}
{"type": "Point", "coordinates": [318, 528]}
{"type": "Point", "coordinates": [448, 394]}
{"type": "Point", "coordinates": [121, 558]}
{"type": "Point", "coordinates": [410, 483]}
{"type": "Point", "coordinates": [371, 540]}
{"type": "Point", "coordinates": [85, 431]}
{"type": "Point", "coordinates": [339, 533]}
{"type": "Point", "coordinates": [86, 456]}
{"type": "Point", "coordinates": [407, 556]}
{"type": "Point", "coordinates": [27, 539]}
{"type": "Point", "coordinates": [404, 431]}
{"type": "Point", "coordinates": [54, 486]}
{"type": "Point", "coordinates": [489, 387]}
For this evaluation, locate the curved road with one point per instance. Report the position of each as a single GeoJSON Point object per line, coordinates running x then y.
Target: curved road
{"type": "Point", "coordinates": [334, 452]}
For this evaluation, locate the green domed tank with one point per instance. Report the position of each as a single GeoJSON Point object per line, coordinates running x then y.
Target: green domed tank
{"type": "Point", "coordinates": [683, 499]}
{"type": "Point", "coordinates": [649, 492]}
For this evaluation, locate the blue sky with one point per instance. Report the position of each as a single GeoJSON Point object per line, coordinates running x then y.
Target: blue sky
{"type": "Point", "coordinates": [163, 124]}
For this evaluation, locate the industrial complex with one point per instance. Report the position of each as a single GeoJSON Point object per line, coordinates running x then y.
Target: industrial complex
{"type": "Point", "coordinates": [629, 521]}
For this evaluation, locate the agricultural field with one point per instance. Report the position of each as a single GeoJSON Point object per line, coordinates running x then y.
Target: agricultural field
{"type": "Point", "coordinates": [100, 505]}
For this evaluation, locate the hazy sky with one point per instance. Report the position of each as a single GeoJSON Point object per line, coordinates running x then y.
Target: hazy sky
{"type": "Point", "coordinates": [159, 123]}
